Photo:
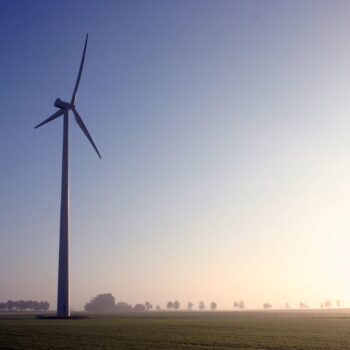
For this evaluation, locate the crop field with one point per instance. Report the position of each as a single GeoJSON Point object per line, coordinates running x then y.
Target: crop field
{"type": "Point", "coordinates": [181, 330]}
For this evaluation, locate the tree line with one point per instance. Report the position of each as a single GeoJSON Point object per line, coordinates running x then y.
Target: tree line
{"type": "Point", "coordinates": [106, 303]}
{"type": "Point", "coordinates": [24, 305]}
{"type": "Point", "coordinates": [302, 305]}
{"type": "Point", "coordinates": [175, 305]}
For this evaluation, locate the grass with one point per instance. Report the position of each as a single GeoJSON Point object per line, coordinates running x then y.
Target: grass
{"type": "Point", "coordinates": [181, 330]}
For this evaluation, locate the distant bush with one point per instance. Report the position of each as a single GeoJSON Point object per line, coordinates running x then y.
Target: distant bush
{"type": "Point", "coordinates": [267, 306]}
{"type": "Point", "coordinates": [139, 308]}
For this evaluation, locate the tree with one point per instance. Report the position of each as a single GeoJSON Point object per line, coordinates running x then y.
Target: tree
{"type": "Point", "coordinates": [101, 303]}
{"type": "Point", "coordinates": [328, 303]}
{"type": "Point", "coordinates": [267, 306]}
{"type": "Point", "coordinates": [148, 306]}
{"type": "Point", "coordinates": [303, 305]}
{"type": "Point", "coordinates": [239, 304]}
{"type": "Point", "coordinates": [158, 308]}
{"type": "Point", "coordinates": [45, 305]}
{"type": "Point", "coordinates": [10, 305]}
{"type": "Point", "coordinates": [36, 306]}
{"type": "Point", "coordinates": [30, 305]}
{"type": "Point", "coordinates": [190, 306]}
{"type": "Point", "coordinates": [201, 305]}
{"type": "Point", "coordinates": [213, 306]}
{"type": "Point", "coordinates": [2, 306]}
{"type": "Point", "coordinates": [139, 308]}
{"type": "Point", "coordinates": [22, 305]}
{"type": "Point", "coordinates": [176, 305]}
{"type": "Point", "coordinates": [122, 307]}
{"type": "Point", "coordinates": [170, 305]}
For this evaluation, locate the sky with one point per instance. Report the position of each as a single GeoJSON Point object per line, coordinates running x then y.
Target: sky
{"type": "Point", "coordinates": [224, 130]}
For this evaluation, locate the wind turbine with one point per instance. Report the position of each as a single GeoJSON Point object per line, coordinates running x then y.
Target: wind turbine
{"type": "Point", "coordinates": [63, 264]}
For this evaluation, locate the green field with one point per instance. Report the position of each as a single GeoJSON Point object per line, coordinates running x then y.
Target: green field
{"type": "Point", "coordinates": [181, 330]}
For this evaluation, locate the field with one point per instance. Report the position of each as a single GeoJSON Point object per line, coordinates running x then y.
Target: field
{"type": "Point", "coordinates": [181, 330]}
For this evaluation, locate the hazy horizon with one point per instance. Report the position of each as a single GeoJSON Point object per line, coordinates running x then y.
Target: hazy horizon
{"type": "Point", "coordinates": [224, 131]}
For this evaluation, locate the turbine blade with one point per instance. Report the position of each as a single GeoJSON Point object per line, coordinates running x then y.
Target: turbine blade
{"type": "Point", "coordinates": [49, 119]}
{"type": "Point", "coordinates": [85, 130]}
{"type": "Point", "coordinates": [80, 70]}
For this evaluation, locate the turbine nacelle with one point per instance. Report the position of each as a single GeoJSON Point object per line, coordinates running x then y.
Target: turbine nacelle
{"type": "Point", "coordinates": [62, 104]}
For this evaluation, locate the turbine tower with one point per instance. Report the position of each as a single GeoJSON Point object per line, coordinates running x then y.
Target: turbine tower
{"type": "Point", "coordinates": [63, 264]}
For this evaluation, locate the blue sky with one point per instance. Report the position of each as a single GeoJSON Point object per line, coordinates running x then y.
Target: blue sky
{"type": "Point", "coordinates": [223, 127]}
